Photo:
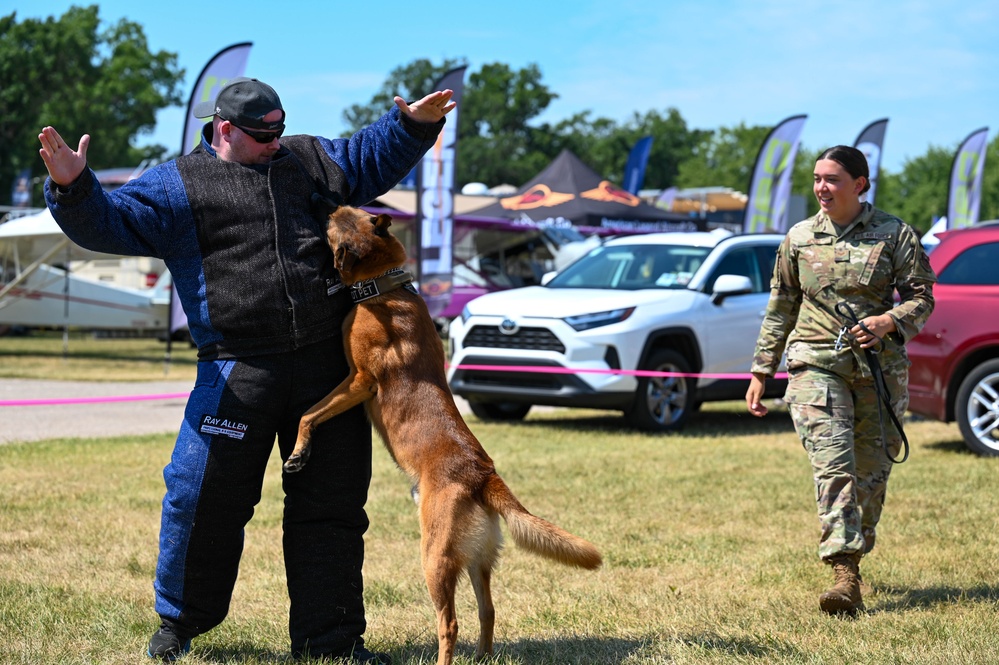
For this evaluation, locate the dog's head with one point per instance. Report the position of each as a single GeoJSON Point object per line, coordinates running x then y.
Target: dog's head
{"type": "Point", "coordinates": [362, 246]}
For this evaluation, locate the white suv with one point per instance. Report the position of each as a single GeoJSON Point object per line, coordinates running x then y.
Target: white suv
{"type": "Point", "coordinates": [595, 334]}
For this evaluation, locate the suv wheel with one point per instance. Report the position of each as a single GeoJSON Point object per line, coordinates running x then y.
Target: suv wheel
{"type": "Point", "coordinates": [663, 403]}
{"type": "Point", "coordinates": [499, 410]}
{"type": "Point", "coordinates": [977, 408]}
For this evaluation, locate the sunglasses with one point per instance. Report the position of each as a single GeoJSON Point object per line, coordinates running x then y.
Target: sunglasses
{"type": "Point", "coordinates": [260, 136]}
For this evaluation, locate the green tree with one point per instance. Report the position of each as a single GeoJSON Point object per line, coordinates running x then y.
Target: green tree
{"type": "Point", "coordinates": [723, 158]}
{"type": "Point", "coordinates": [672, 144]}
{"type": "Point", "coordinates": [604, 145]}
{"type": "Point", "coordinates": [496, 142]}
{"type": "Point", "coordinates": [411, 82]}
{"type": "Point", "coordinates": [919, 193]}
{"type": "Point", "coordinates": [593, 140]}
{"type": "Point", "coordinates": [70, 74]}
{"type": "Point", "coordinates": [500, 140]}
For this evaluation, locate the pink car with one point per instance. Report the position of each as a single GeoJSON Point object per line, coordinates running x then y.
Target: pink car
{"type": "Point", "coordinates": [955, 358]}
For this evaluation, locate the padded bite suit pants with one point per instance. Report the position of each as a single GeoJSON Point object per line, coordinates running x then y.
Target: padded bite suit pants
{"type": "Point", "coordinates": [214, 480]}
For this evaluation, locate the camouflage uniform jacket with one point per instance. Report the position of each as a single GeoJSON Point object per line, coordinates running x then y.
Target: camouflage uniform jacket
{"type": "Point", "coordinates": [819, 266]}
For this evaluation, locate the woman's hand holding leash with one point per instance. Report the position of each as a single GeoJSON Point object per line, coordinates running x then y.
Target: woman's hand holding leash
{"type": "Point", "coordinates": [872, 329]}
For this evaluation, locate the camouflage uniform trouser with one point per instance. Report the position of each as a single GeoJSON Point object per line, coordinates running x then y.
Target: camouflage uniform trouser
{"type": "Point", "coordinates": [837, 420]}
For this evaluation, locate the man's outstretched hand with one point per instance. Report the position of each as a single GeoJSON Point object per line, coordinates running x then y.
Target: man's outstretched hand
{"type": "Point", "coordinates": [64, 164]}
{"type": "Point", "coordinates": [430, 109]}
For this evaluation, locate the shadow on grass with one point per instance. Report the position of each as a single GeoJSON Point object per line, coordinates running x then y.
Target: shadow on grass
{"type": "Point", "coordinates": [608, 650]}
{"type": "Point", "coordinates": [894, 599]}
{"type": "Point", "coordinates": [605, 650]}
{"type": "Point", "coordinates": [766, 649]}
{"type": "Point", "coordinates": [955, 446]}
{"type": "Point", "coordinates": [239, 652]}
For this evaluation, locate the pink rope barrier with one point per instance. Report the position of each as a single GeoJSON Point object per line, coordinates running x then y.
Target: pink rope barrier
{"type": "Point", "coordinates": [623, 372]}
{"type": "Point", "coordinates": [62, 401]}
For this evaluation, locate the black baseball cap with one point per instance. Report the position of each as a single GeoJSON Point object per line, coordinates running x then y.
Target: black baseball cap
{"type": "Point", "coordinates": [244, 102]}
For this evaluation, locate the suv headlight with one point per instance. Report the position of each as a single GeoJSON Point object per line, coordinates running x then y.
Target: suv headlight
{"type": "Point", "coordinates": [465, 314]}
{"type": "Point", "coordinates": [588, 321]}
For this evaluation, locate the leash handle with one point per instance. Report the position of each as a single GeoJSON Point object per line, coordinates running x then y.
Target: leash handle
{"type": "Point", "coordinates": [880, 384]}
{"type": "Point", "coordinates": [843, 309]}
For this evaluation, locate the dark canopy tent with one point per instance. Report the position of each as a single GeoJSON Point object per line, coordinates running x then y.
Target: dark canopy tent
{"type": "Point", "coordinates": [569, 191]}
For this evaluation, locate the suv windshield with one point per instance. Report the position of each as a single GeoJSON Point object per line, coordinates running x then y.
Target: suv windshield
{"type": "Point", "coordinates": [633, 267]}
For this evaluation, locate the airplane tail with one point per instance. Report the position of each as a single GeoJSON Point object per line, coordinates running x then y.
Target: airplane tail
{"type": "Point", "coordinates": [160, 291]}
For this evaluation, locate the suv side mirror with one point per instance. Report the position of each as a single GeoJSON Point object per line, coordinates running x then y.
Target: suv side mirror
{"type": "Point", "coordinates": [547, 277]}
{"type": "Point", "coordinates": [730, 285]}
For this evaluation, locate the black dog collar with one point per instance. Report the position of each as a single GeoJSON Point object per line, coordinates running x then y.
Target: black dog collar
{"type": "Point", "coordinates": [388, 281]}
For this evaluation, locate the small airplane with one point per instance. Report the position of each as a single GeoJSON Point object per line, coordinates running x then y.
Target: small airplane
{"type": "Point", "coordinates": [44, 280]}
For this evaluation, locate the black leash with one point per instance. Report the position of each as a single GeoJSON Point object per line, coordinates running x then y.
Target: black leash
{"type": "Point", "coordinates": [880, 385]}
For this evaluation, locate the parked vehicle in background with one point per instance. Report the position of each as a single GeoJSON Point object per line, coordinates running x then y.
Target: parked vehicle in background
{"type": "Point", "coordinates": [683, 303]}
{"type": "Point", "coordinates": [955, 358]}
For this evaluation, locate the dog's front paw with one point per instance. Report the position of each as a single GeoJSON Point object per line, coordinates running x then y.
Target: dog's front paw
{"type": "Point", "coordinates": [296, 462]}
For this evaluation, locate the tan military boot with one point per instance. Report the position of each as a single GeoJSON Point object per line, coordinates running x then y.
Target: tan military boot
{"type": "Point", "coordinates": [844, 596]}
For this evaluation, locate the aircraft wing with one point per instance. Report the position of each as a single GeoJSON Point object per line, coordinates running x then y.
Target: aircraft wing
{"type": "Point", "coordinates": [26, 239]}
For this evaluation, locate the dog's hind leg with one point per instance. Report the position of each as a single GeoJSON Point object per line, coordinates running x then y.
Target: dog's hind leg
{"type": "Point", "coordinates": [442, 572]}
{"type": "Point", "coordinates": [480, 573]}
{"type": "Point", "coordinates": [443, 563]}
{"type": "Point", "coordinates": [486, 544]}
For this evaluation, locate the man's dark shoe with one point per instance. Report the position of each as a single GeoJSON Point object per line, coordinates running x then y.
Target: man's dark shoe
{"type": "Point", "coordinates": [362, 656]}
{"type": "Point", "coordinates": [167, 645]}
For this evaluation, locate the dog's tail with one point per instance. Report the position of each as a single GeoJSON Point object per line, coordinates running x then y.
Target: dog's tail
{"type": "Point", "coordinates": [537, 535]}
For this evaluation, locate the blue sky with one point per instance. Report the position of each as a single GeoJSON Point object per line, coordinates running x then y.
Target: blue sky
{"type": "Point", "coordinates": [931, 67]}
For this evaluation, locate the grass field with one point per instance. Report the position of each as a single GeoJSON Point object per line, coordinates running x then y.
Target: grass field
{"type": "Point", "coordinates": [709, 539]}
{"type": "Point", "coordinates": [82, 357]}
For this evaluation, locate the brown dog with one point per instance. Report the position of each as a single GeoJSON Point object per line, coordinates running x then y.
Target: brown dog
{"type": "Point", "coordinates": [397, 370]}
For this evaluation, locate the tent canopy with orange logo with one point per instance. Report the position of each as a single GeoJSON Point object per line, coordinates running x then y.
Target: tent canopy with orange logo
{"type": "Point", "coordinates": [567, 190]}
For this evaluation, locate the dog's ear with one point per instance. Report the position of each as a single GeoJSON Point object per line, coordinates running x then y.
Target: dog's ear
{"type": "Point", "coordinates": [324, 201]}
{"type": "Point", "coordinates": [323, 207]}
{"type": "Point", "coordinates": [382, 222]}
{"type": "Point", "coordinates": [344, 259]}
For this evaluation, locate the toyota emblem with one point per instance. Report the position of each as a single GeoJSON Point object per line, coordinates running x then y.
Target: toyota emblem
{"type": "Point", "coordinates": [509, 327]}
